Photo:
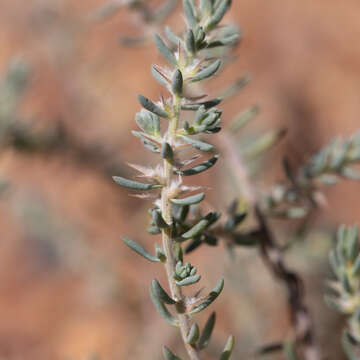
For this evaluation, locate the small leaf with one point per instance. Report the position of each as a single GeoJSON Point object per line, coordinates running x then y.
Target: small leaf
{"type": "Point", "coordinates": [190, 280]}
{"type": "Point", "coordinates": [158, 219]}
{"type": "Point", "coordinates": [167, 152]}
{"type": "Point", "coordinates": [207, 72]}
{"type": "Point", "coordinates": [228, 348]}
{"type": "Point", "coordinates": [161, 293]}
{"type": "Point", "coordinates": [148, 122]}
{"type": "Point", "coordinates": [196, 229]}
{"type": "Point", "coordinates": [197, 144]}
{"type": "Point", "coordinates": [190, 42]}
{"type": "Point", "coordinates": [218, 14]}
{"type": "Point", "coordinates": [189, 14]}
{"type": "Point", "coordinates": [164, 50]}
{"type": "Point", "coordinates": [206, 333]}
{"type": "Point", "coordinates": [206, 104]}
{"type": "Point", "coordinates": [193, 335]}
{"type": "Point", "coordinates": [290, 352]}
{"type": "Point", "coordinates": [348, 346]}
{"type": "Point", "coordinates": [152, 107]}
{"type": "Point", "coordinates": [135, 185]}
{"type": "Point", "coordinates": [169, 355]}
{"type": "Point", "coordinates": [172, 36]}
{"type": "Point", "coordinates": [210, 298]}
{"type": "Point", "coordinates": [159, 76]}
{"type": "Point", "coordinates": [191, 200]}
{"type": "Point", "coordinates": [139, 249]}
{"type": "Point", "coordinates": [205, 7]}
{"type": "Point", "coordinates": [177, 83]}
{"type": "Point", "coordinates": [199, 168]}
{"type": "Point", "coordinates": [193, 245]}
{"type": "Point", "coordinates": [244, 118]}
{"type": "Point", "coordinates": [161, 308]}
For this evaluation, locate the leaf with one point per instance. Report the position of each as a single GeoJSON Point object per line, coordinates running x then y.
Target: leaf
{"type": "Point", "coordinates": [206, 333]}
{"type": "Point", "coordinates": [199, 168]}
{"type": "Point", "coordinates": [159, 76]}
{"type": "Point", "coordinates": [148, 143]}
{"type": "Point", "coordinates": [209, 299]}
{"type": "Point", "coordinates": [139, 249]}
{"type": "Point", "coordinates": [172, 36]}
{"type": "Point", "coordinates": [148, 122]}
{"type": "Point", "coordinates": [158, 219]}
{"type": "Point", "coordinates": [193, 245]}
{"type": "Point", "coordinates": [190, 41]}
{"type": "Point", "coordinates": [218, 14]}
{"type": "Point", "coordinates": [177, 83]}
{"type": "Point", "coordinates": [161, 308]}
{"type": "Point", "coordinates": [169, 355]}
{"type": "Point", "coordinates": [348, 346]}
{"type": "Point", "coordinates": [289, 350]}
{"type": "Point", "coordinates": [190, 280]}
{"type": "Point", "coordinates": [206, 104]}
{"type": "Point", "coordinates": [167, 152]}
{"type": "Point", "coordinates": [193, 335]}
{"type": "Point", "coordinates": [189, 14]}
{"type": "Point", "coordinates": [161, 293]}
{"type": "Point", "coordinates": [191, 200]}
{"type": "Point", "coordinates": [207, 72]}
{"type": "Point", "coordinates": [135, 185]}
{"type": "Point", "coordinates": [152, 107]}
{"type": "Point", "coordinates": [164, 50]}
{"type": "Point", "coordinates": [228, 348]}
{"type": "Point", "coordinates": [244, 118]}
{"type": "Point", "coordinates": [197, 144]}
{"type": "Point", "coordinates": [196, 229]}
{"type": "Point", "coordinates": [205, 7]}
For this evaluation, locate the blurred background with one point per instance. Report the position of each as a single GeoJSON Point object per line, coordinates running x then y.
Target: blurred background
{"type": "Point", "coordinates": [69, 289]}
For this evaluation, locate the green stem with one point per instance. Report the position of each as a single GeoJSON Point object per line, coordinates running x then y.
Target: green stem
{"type": "Point", "coordinates": [176, 293]}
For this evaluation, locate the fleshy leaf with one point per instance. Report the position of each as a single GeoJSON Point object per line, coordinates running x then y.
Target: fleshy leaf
{"type": "Point", "coordinates": [209, 299]}
{"type": "Point", "coordinates": [164, 50]}
{"type": "Point", "coordinates": [190, 280]}
{"type": "Point", "coordinates": [169, 355]}
{"type": "Point", "coordinates": [206, 333]}
{"type": "Point", "coordinates": [228, 348]}
{"type": "Point", "coordinates": [152, 107]}
{"type": "Point", "coordinates": [207, 72]}
{"type": "Point", "coordinates": [199, 168]}
{"type": "Point", "coordinates": [193, 335]}
{"type": "Point", "coordinates": [161, 308]}
{"type": "Point", "coordinates": [139, 249]}
{"type": "Point", "coordinates": [135, 185]}
{"type": "Point", "coordinates": [161, 293]}
{"type": "Point", "coordinates": [191, 200]}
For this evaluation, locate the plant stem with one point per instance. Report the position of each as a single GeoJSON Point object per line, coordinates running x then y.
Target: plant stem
{"type": "Point", "coordinates": [176, 293]}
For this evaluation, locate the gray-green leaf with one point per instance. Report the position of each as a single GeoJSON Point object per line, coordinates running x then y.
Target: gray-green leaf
{"type": "Point", "coordinates": [164, 50]}
{"type": "Point", "coordinates": [206, 333]}
{"type": "Point", "coordinates": [135, 185]}
{"type": "Point", "coordinates": [161, 293]}
{"type": "Point", "coordinates": [193, 335]}
{"type": "Point", "coordinates": [200, 168]}
{"type": "Point", "coordinates": [139, 249]}
{"type": "Point", "coordinates": [228, 348]}
{"type": "Point", "coordinates": [161, 308]}
{"type": "Point", "coordinates": [152, 107]}
{"type": "Point", "coordinates": [210, 298]}
{"type": "Point", "coordinates": [191, 200]}
{"type": "Point", "coordinates": [190, 280]}
{"type": "Point", "coordinates": [207, 72]}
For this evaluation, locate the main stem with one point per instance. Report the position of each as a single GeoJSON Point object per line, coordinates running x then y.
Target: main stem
{"type": "Point", "coordinates": [176, 293]}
